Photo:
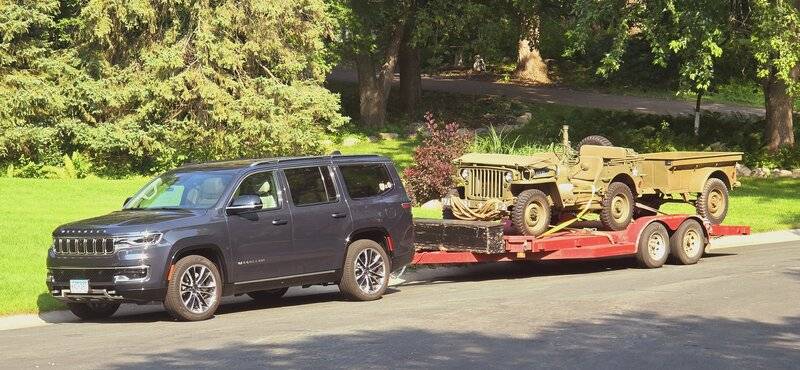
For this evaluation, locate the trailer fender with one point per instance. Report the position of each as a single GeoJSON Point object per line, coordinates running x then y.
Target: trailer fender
{"type": "Point", "coordinates": [703, 174]}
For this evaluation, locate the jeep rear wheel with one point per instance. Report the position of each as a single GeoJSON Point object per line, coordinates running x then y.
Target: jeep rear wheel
{"type": "Point", "coordinates": [93, 310]}
{"type": "Point", "coordinates": [194, 290]}
{"type": "Point", "coordinates": [712, 203]}
{"type": "Point", "coordinates": [531, 213]}
{"type": "Point", "coordinates": [365, 274]}
{"type": "Point", "coordinates": [267, 296]}
{"type": "Point", "coordinates": [618, 205]}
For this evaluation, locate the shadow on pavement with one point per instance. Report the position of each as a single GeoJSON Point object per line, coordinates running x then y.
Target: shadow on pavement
{"type": "Point", "coordinates": [636, 340]}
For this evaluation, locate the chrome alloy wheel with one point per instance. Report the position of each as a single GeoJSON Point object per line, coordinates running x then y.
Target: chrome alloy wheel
{"type": "Point", "coordinates": [370, 271]}
{"type": "Point", "coordinates": [198, 288]}
{"type": "Point", "coordinates": [656, 246]}
{"type": "Point", "coordinates": [692, 243]}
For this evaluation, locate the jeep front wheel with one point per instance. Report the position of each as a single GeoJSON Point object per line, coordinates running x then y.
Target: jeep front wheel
{"type": "Point", "coordinates": [531, 213]}
{"type": "Point", "coordinates": [93, 310]}
{"type": "Point", "coordinates": [195, 289]}
{"type": "Point", "coordinates": [365, 274]}
{"type": "Point", "coordinates": [618, 205]}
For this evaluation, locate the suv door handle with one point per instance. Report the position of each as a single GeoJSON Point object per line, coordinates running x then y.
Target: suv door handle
{"type": "Point", "coordinates": [338, 215]}
{"type": "Point", "coordinates": [279, 222]}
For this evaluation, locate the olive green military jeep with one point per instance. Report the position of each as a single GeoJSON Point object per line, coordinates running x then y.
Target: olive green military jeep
{"type": "Point", "coordinates": [616, 182]}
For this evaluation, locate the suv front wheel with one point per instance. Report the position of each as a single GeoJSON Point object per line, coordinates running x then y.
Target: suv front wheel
{"type": "Point", "coordinates": [365, 274]}
{"type": "Point", "coordinates": [194, 291]}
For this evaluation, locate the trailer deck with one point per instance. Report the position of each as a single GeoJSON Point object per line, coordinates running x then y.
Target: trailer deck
{"type": "Point", "coordinates": [574, 244]}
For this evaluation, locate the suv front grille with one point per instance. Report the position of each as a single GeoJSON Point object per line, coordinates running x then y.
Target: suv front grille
{"type": "Point", "coordinates": [484, 183]}
{"type": "Point", "coordinates": [92, 246]}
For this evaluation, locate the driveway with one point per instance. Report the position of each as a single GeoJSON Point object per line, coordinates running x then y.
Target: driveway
{"type": "Point", "coordinates": [564, 96]}
{"type": "Point", "coordinates": [737, 309]}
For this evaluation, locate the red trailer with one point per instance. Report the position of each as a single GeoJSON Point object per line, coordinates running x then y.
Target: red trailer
{"type": "Point", "coordinates": [650, 239]}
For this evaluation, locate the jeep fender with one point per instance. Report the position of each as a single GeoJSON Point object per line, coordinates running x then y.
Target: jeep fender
{"type": "Point", "coordinates": [702, 175]}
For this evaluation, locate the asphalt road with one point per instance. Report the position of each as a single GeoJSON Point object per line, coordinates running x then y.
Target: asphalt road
{"type": "Point", "coordinates": [564, 96]}
{"type": "Point", "coordinates": [737, 308]}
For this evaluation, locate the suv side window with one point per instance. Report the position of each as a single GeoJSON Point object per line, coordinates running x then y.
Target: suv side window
{"type": "Point", "coordinates": [264, 186]}
{"type": "Point", "coordinates": [366, 180]}
{"type": "Point", "coordinates": [310, 185]}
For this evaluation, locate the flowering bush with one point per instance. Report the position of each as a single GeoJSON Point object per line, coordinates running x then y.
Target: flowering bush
{"type": "Point", "coordinates": [431, 176]}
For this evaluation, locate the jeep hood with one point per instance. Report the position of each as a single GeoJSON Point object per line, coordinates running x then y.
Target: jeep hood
{"type": "Point", "coordinates": [507, 160]}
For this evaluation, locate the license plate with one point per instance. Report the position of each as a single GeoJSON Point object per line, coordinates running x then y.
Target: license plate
{"type": "Point", "coordinates": [79, 286]}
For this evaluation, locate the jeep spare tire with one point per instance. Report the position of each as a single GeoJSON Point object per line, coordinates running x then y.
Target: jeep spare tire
{"type": "Point", "coordinates": [594, 140]}
{"type": "Point", "coordinates": [531, 213]}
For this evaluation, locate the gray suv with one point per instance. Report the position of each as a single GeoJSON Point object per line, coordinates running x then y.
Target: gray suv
{"type": "Point", "coordinates": [255, 227]}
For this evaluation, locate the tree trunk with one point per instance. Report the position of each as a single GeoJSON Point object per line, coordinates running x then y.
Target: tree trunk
{"type": "Point", "coordinates": [375, 76]}
{"type": "Point", "coordinates": [410, 79]}
{"type": "Point", "coordinates": [530, 65]}
{"type": "Point", "coordinates": [779, 130]}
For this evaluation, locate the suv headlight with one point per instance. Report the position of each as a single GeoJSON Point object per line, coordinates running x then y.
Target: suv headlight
{"type": "Point", "coordinates": [137, 240]}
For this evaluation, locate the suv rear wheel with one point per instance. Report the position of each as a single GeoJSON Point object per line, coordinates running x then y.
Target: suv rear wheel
{"type": "Point", "coordinates": [195, 289]}
{"type": "Point", "coordinates": [93, 310]}
{"type": "Point", "coordinates": [365, 274]}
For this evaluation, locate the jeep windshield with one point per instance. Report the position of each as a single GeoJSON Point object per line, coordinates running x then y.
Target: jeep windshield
{"type": "Point", "coordinates": [181, 191]}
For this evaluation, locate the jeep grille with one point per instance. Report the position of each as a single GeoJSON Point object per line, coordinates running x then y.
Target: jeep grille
{"type": "Point", "coordinates": [90, 246]}
{"type": "Point", "coordinates": [484, 183]}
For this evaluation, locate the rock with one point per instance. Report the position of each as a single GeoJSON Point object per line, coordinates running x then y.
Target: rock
{"type": "Point", "coordinates": [717, 147]}
{"type": "Point", "coordinates": [796, 173]}
{"type": "Point", "coordinates": [465, 131]}
{"type": "Point", "coordinates": [524, 119]}
{"type": "Point", "coordinates": [481, 130]}
{"type": "Point", "coordinates": [432, 204]}
{"type": "Point", "coordinates": [350, 141]}
{"type": "Point", "coordinates": [743, 171]}
{"type": "Point", "coordinates": [388, 136]}
{"type": "Point", "coordinates": [781, 173]}
{"type": "Point", "coordinates": [508, 128]}
{"type": "Point", "coordinates": [412, 136]}
{"type": "Point", "coordinates": [760, 172]}
{"type": "Point", "coordinates": [372, 139]}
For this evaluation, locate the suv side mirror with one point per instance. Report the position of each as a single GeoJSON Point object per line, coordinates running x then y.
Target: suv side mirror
{"type": "Point", "coordinates": [244, 203]}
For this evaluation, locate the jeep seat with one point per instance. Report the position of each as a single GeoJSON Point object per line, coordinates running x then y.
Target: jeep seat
{"type": "Point", "coordinates": [605, 152]}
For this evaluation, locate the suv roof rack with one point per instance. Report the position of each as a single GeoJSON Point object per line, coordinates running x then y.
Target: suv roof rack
{"type": "Point", "coordinates": [337, 154]}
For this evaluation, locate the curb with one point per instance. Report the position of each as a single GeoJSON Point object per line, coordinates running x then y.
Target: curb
{"type": "Point", "coordinates": [60, 317]}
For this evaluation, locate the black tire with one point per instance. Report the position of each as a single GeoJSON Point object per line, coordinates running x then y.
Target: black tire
{"type": "Point", "coordinates": [268, 296]}
{"type": "Point", "coordinates": [93, 310]}
{"type": "Point", "coordinates": [688, 243]}
{"type": "Point", "coordinates": [618, 206]}
{"type": "Point", "coordinates": [712, 203]}
{"type": "Point", "coordinates": [652, 201]}
{"type": "Point", "coordinates": [531, 214]}
{"type": "Point", "coordinates": [352, 275]}
{"type": "Point", "coordinates": [653, 248]}
{"type": "Point", "coordinates": [174, 303]}
{"type": "Point", "coordinates": [593, 140]}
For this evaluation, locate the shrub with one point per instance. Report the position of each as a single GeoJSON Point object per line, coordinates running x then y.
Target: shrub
{"type": "Point", "coordinates": [431, 175]}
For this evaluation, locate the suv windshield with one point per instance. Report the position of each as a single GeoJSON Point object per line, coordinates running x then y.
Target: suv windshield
{"type": "Point", "coordinates": [188, 190]}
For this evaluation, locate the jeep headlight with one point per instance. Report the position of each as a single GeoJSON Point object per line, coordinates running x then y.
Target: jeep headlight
{"type": "Point", "coordinates": [465, 173]}
{"type": "Point", "coordinates": [509, 176]}
{"type": "Point", "coordinates": [137, 240]}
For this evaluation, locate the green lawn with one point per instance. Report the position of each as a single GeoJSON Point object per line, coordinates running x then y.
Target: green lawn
{"type": "Point", "coordinates": [31, 208]}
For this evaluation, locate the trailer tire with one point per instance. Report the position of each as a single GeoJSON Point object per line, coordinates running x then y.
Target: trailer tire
{"type": "Point", "coordinates": [653, 247]}
{"type": "Point", "coordinates": [531, 213]}
{"type": "Point", "coordinates": [594, 140]}
{"type": "Point", "coordinates": [688, 243]}
{"type": "Point", "coordinates": [618, 206]}
{"type": "Point", "coordinates": [93, 310]}
{"type": "Point", "coordinates": [712, 202]}
{"type": "Point", "coordinates": [268, 296]}
{"type": "Point", "coordinates": [356, 282]}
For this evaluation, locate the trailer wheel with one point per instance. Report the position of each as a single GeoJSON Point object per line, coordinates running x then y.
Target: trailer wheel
{"type": "Point", "coordinates": [712, 203]}
{"type": "Point", "coordinates": [531, 213]}
{"type": "Point", "coordinates": [594, 140]}
{"type": "Point", "coordinates": [618, 205]}
{"type": "Point", "coordinates": [653, 248]}
{"type": "Point", "coordinates": [365, 274]}
{"type": "Point", "coordinates": [688, 243]}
